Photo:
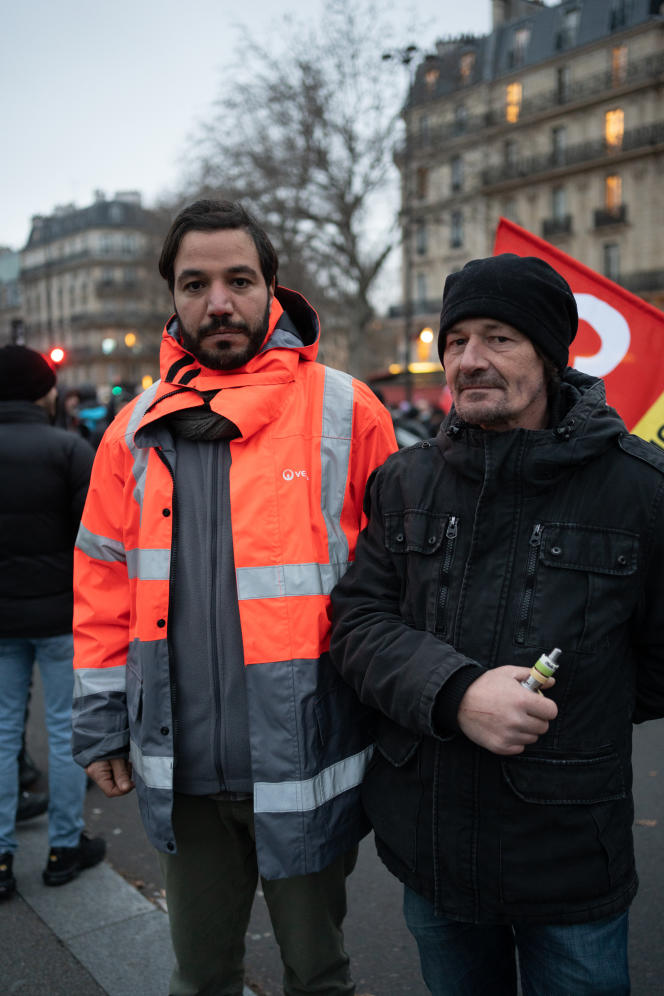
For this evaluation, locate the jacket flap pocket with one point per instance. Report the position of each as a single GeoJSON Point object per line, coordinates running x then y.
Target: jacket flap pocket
{"type": "Point", "coordinates": [414, 531]}
{"type": "Point", "coordinates": [561, 781]}
{"type": "Point", "coordinates": [583, 548]}
{"type": "Point", "coordinates": [395, 743]}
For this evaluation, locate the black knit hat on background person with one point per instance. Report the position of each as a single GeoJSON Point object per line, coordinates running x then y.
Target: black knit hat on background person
{"type": "Point", "coordinates": [522, 291]}
{"type": "Point", "coordinates": [24, 374]}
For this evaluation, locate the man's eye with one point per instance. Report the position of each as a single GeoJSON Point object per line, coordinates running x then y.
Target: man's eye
{"type": "Point", "coordinates": [193, 285]}
{"type": "Point", "coordinates": [240, 282]}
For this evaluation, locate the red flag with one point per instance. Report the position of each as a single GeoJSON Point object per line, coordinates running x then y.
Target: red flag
{"type": "Point", "coordinates": [620, 337]}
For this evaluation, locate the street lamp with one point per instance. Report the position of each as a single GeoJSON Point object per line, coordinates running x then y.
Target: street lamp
{"type": "Point", "coordinates": [405, 57]}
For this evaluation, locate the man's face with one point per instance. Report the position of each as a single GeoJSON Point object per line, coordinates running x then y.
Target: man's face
{"type": "Point", "coordinates": [220, 297]}
{"type": "Point", "coordinates": [495, 376]}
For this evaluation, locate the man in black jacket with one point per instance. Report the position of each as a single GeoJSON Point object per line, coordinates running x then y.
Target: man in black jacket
{"type": "Point", "coordinates": [534, 520]}
{"type": "Point", "coordinates": [44, 480]}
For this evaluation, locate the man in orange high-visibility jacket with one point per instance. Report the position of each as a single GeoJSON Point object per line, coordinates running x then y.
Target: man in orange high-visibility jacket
{"type": "Point", "coordinates": [224, 504]}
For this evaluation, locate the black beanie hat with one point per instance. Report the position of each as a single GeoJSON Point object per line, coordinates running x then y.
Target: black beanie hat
{"type": "Point", "coordinates": [522, 291]}
{"type": "Point", "coordinates": [24, 374]}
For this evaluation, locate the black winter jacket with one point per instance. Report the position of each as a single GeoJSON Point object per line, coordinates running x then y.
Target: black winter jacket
{"type": "Point", "coordinates": [485, 549]}
{"type": "Point", "coordinates": [43, 484]}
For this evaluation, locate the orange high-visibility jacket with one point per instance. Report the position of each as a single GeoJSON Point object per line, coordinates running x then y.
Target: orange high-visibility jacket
{"type": "Point", "coordinates": [310, 437]}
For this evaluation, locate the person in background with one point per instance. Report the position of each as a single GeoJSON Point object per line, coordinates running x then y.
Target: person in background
{"type": "Point", "coordinates": [44, 480]}
{"type": "Point", "coordinates": [225, 502]}
{"type": "Point", "coordinates": [534, 521]}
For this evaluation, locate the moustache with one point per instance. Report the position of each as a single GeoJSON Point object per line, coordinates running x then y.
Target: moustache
{"type": "Point", "coordinates": [221, 323]}
{"type": "Point", "coordinates": [466, 382]}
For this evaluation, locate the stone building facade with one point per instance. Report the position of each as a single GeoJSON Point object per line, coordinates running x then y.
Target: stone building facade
{"type": "Point", "coordinates": [89, 283]}
{"type": "Point", "coordinates": [555, 120]}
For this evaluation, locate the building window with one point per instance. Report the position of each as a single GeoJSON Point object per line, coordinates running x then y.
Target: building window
{"type": "Point", "coordinates": [510, 154]}
{"type": "Point", "coordinates": [424, 129]}
{"type": "Point", "coordinates": [457, 173]}
{"type": "Point", "coordinates": [466, 66]}
{"type": "Point", "coordinates": [566, 37]}
{"type": "Point", "coordinates": [611, 261]}
{"type": "Point", "coordinates": [456, 230]}
{"type": "Point", "coordinates": [106, 243]}
{"type": "Point", "coordinates": [563, 81]}
{"type": "Point", "coordinates": [513, 95]}
{"type": "Point", "coordinates": [614, 128]}
{"type": "Point", "coordinates": [520, 39]}
{"type": "Point", "coordinates": [619, 64]}
{"type": "Point", "coordinates": [613, 193]}
{"type": "Point", "coordinates": [559, 144]}
{"type": "Point", "coordinates": [618, 14]}
{"type": "Point", "coordinates": [421, 288]}
{"type": "Point", "coordinates": [431, 78]}
{"type": "Point", "coordinates": [460, 119]}
{"type": "Point", "coordinates": [558, 203]}
{"type": "Point", "coordinates": [421, 182]}
{"type": "Point", "coordinates": [421, 240]}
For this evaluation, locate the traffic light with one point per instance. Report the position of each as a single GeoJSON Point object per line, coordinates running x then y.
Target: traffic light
{"type": "Point", "coordinates": [57, 355]}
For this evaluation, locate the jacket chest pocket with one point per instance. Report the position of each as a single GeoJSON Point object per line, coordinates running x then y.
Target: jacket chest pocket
{"type": "Point", "coordinates": [423, 546]}
{"type": "Point", "coordinates": [578, 585]}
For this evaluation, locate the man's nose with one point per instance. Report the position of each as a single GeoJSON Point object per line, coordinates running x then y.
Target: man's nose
{"type": "Point", "coordinates": [474, 356]}
{"type": "Point", "coordinates": [220, 300]}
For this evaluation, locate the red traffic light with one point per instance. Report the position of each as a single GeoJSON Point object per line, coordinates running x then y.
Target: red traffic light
{"type": "Point", "coordinates": [57, 355]}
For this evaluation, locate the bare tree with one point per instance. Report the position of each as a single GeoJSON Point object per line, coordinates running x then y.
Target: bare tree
{"type": "Point", "coordinates": [304, 135]}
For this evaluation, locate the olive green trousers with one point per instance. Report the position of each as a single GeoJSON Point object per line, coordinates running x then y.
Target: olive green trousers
{"type": "Point", "coordinates": [210, 887]}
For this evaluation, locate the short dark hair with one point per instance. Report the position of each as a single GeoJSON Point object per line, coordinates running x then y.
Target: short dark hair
{"type": "Point", "coordinates": [210, 216]}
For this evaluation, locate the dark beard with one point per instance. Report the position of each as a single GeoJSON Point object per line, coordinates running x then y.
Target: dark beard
{"type": "Point", "coordinates": [221, 355]}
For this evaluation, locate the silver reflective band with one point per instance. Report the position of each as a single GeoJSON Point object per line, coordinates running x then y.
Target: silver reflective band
{"type": "Point", "coordinates": [155, 772]}
{"type": "Point", "coordinates": [140, 456]}
{"type": "Point", "coordinates": [99, 547]}
{"type": "Point", "coordinates": [149, 565]}
{"type": "Point", "coordinates": [99, 680]}
{"type": "Point", "coordinates": [335, 460]}
{"type": "Point", "coordinates": [288, 580]}
{"type": "Point", "coordinates": [301, 797]}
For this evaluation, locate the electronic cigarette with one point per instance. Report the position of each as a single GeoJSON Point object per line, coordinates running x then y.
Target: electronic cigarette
{"type": "Point", "coordinates": [543, 668]}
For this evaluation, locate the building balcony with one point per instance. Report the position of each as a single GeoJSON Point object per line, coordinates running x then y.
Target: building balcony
{"type": "Point", "coordinates": [557, 226]}
{"type": "Point", "coordinates": [118, 288]}
{"type": "Point", "coordinates": [610, 216]}
{"type": "Point", "coordinates": [596, 150]}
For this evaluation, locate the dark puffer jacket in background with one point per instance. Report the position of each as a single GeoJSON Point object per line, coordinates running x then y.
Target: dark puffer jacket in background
{"type": "Point", "coordinates": [44, 474]}
{"type": "Point", "coordinates": [486, 549]}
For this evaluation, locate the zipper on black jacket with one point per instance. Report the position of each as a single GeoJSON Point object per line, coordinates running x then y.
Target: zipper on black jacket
{"type": "Point", "coordinates": [444, 576]}
{"type": "Point", "coordinates": [171, 587]}
{"type": "Point", "coordinates": [527, 600]}
{"type": "Point", "coordinates": [216, 684]}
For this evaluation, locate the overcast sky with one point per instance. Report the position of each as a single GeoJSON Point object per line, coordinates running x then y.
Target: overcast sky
{"type": "Point", "coordinates": [104, 95]}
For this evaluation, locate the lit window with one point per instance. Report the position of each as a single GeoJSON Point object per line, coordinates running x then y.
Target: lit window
{"type": "Point", "coordinates": [614, 128]}
{"type": "Point", "coordinates": [513, 96]}
{"type": "Point", "coordinates": [619, 64]}
{"type": "Point", "coordinates": [431, 78]}
{"type": "Point", "coordinates": [613, 193]}
{"type": "Point", "coordinates": [466, 65]}
{"type": "Point", "coordinates": [611, 252]}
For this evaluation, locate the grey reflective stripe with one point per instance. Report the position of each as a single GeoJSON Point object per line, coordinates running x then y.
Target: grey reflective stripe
{"type": "Point", "coordinates": [335, 462]}
{"type": "Point", "coordinates": [155, 772]}
{"type": "Point", "coordinates": [287, 580]}
{"type": "Point", "coordinates": [140, 456]}
{"type": "Point", "coordinates": [99, 547]}
{"type": "Point", "coordinates": [149, 565]}
{"type": "Point", "coordinates": [303, 796]}
{"type": "Point", "coordinates": [98, 680]}
{"type": "Point", "coordinates": [294, 580]}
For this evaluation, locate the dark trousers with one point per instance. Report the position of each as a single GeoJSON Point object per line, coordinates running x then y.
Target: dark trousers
{"type": "Point", "coordinates": [210, 887]}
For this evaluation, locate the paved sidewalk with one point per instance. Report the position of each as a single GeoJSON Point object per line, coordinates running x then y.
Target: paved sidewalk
{"type": "Point", "coordinates": [96, 935]}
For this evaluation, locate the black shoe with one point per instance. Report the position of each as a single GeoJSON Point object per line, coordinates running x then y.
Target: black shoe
{"type": "Point", "coordinates": [7, 880]}
{"type": "Point", "coordinates": [28, 772]}
{"type": "Point", "coordinates": [64, 863]}
{"type": "Point", "coordinates": [31, 804]}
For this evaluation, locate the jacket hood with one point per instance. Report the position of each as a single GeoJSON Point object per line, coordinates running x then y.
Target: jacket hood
{"type": "Point", "coordinates": [293, 334]}
{"type": "Point", "coordinates": [583, 427]}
